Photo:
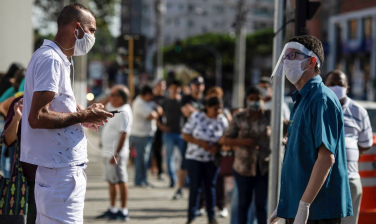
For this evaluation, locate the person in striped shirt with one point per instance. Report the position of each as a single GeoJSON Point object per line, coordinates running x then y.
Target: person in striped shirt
{"type": "Point", "coordinates": [358, 136]}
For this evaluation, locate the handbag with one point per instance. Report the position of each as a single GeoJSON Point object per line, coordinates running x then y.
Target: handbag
{"type": "Point", "coordinates": [227, 161]}
{"type": "Point", "coordinates": [14, 193]}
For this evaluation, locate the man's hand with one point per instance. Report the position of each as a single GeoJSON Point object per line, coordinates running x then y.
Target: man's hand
{"type": "Point", "coordinates": [93, 125]}
{"type": "Point", "coordinates": [96, 114]}
{"type": "Point", "coordinates": [273, 218]}
{"type": "Point", "coordinates": [303, 213]}
{"type": "Point", "coordinates": [112, 160]}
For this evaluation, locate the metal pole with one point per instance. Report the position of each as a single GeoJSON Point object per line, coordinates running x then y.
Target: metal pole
{"type": "Point", "coordinates": [80, 82]}
{"type": "Point", "coordinates": [218, 70]}
{"type": "Point", "coordinates": [301, 17]}
{"type": "Point", "coordinates": [239, 68]}
{"type": "Point", "coordinates": [130, 64]}
{"type": "Point", "coordinates": [276, 157]}
{"type": "Point", "coordinates": [159, 10]}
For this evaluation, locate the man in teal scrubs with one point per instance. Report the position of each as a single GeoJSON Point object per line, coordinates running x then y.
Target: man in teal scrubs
{"type": "Point", "coordinates": [314, 181]}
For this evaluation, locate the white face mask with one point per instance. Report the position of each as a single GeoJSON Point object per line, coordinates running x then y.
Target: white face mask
{"type": "Point", "coordinates": [83, 45]}
{"type": "Point", "coordinates": [293, 70]}
{"type": "Point", "coordinates": [340, 91]}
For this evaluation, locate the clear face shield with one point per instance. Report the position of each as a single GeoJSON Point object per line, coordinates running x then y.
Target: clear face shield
{"type": "Point", "coordinates": [292, 61]}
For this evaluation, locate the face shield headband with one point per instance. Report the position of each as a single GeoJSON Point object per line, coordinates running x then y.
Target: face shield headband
{"type": "Point", "coordinates": [278, 69]}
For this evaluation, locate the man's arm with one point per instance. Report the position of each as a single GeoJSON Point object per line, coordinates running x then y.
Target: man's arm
{"type": "Point", "coordinates": [319, 174]}
{"type": "Point", "coordinates": [247, 142]}
{"type": "Point", "coordinates": [153, 115]}
{"type": "Point", "coordinates": [41, 117]}
{"type": "Point", "coordinates": [187, 110]}
{"type": "Point", "coordinates": [362, 150]}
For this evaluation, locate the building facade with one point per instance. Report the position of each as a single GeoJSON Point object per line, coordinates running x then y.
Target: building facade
{"type": "Point", "coordinates": [348, 32]}
{"type": "Point", "coordinates": [186, 18]}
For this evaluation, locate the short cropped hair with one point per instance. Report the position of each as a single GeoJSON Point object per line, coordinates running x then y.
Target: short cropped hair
{"type": "Point", "coordinates": [71, 13]}
{"type": "Point", "coordinates": [253, 90]}
{"type": "Point", "coordinates": [146, 90]}
{"type": "Point", "coordinates": [312, 44]}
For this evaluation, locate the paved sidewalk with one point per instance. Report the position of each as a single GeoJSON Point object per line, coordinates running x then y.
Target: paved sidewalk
{"type": "Point", "coordinates": [145, 205]}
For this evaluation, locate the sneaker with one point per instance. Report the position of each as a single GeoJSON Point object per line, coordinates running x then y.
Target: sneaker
{"type": "Point", "coordinates": [105, 215]}
{"type": "Point", "coordinates": [120, 216]}
{"type": "Point", "coordinates": [178, 195]}
{"type": "Point", "coordinates": [189, 222]}
{"type": "Point", "coordinates": [213, 221]}
{"type": "Point", "coordinates": [200, 212]}
{"type": "Point", "coordinates": [223, 213]}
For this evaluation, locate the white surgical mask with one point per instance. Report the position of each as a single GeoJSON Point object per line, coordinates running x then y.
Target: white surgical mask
{"type": "Point", "coordinates": [83, 45]}
{"type": "Point", "coordinates": [293, 70]}
{"type": "Point", "coordinates": [340, 91]}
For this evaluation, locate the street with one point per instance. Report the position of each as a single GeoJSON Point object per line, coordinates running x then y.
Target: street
{"type": "Point", "coordinates": [145, 205]}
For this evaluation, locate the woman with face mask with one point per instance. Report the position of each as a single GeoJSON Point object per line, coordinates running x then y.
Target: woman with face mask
{"type": "Point", "coordinates": [202, 132]}
{"type": "Point", "coordinates": [249, 131]}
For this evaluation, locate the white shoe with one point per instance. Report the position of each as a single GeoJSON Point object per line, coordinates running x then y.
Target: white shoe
{"type": "Point", "coordinates": [223, 213]}
{"type": "Point", "coordinates": [200, 212]}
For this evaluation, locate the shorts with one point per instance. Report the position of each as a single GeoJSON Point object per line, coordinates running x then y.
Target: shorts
{"type": "Point", "coordinates": [116, 173]}
{"type": "Point", "coordinates": [60, 194]}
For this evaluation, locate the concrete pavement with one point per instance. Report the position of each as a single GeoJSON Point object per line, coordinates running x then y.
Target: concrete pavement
{"type": "Point", "coordinates": [145, 205]}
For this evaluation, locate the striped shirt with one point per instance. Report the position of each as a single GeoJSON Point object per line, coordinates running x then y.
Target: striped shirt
{"type": "Point", "coordinates": [358, 132]}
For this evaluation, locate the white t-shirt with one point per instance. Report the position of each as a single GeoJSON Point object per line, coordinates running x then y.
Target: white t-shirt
{"type": "Point", "coordinates": [203, 128]}
{"type": "Point", "coordinates": [141, 126]}
{"type": "Point", "coordinates": [121, 122]}
{"type": "Point", "coordinates": [358, 132]}
{"type": "Point", "coordinates": [49, 70]}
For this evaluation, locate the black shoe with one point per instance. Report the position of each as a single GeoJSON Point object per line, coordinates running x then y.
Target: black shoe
{"type": "Point", "coordinates": [119, 216]}
{"type": "Point", "coordinates": [178, 195]}
{"type": "Point", "coordinates": [105, 215]}
{"type": "Point", "coordinates": [213, 221]}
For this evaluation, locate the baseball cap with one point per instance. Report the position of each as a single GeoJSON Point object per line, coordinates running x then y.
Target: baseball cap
{"type": "Point", "coordinates": [198, 80]}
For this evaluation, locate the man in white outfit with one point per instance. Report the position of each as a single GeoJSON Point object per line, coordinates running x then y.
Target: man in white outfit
{"type": "Point", "coordinates": [52, 131]}
{"type": "Point", "coordinates": [115, 139]}
{"type": "Point", "coordinates": [358, 137]}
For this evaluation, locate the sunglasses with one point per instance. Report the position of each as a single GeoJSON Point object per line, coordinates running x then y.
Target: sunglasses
{"type": "Point", "coordinates": [292, 55]}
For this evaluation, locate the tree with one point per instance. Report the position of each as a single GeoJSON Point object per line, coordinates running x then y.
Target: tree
{"type": "Point", "coordinates": [259, 43]}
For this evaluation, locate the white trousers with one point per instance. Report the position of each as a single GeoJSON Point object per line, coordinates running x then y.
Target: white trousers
{"type": "Point", "coordinates": [60, 195]}
{"type": "Point", "coordinates": [356, 197]}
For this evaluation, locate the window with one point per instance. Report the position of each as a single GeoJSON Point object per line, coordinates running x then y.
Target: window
{"type": "Point", "coordinates": [367, 27]}
{"type": "Point", "coordinates": [353, 25]}
{"type": "Point", "coordinates": [177, 22]}
{"type": "Point", "coordinates": [204, 29]}
{"type": "Point", "coordinates": [181, 7]}
{"type": "Point", "coordinates": [169, 6]}
{"type": "Point", "coordinates": [191, 23]}
{"type": "Point", "coordinates": [219, 9]}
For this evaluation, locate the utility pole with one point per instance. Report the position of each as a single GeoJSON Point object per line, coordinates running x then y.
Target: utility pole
{"type": "Point", "coordinates": [80, 76]}
{"type": "Point", "coordinates": [276, 156]}
{"type": "Point", "coordinates": [301, 7]}
{"type": "Point", "coordinates": [160, 9]}
{"type": "Point", "coordinates": [239, 68]}
{"type": "Point", "coordinates": [130, 64]}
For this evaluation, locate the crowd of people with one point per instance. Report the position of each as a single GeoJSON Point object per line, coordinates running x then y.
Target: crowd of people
{"type": "Point", "coordinates": [325, 135]}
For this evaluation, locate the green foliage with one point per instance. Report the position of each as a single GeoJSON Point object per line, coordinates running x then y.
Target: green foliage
{"type": "Point", "coordinates": [259, 43]}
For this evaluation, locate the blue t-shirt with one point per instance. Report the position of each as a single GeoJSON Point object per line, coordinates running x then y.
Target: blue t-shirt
{"type": "Point", "coordinates": [315, 119]}
{"type": "Point", "coordinates": [7, 94]}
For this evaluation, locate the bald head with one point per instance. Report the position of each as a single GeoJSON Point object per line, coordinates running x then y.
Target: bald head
{"type": "Point", "coordinates": [336, 78]}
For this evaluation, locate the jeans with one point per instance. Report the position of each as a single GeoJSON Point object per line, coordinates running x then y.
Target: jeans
{"type": "Point", "coordinates": [170, 140]}
{"type": "Point", "coordinates": [143, 148]}
{"type": "Point", "coordinates": [201, 172]}
{"type": "Point", "coordinates": [157, 150]}
{"type": "Point", "coordinates": [234, 208]}
{"type": "Point", "coordinates": [246, 185]}
{"type": "Point", "coordinates": [7, 161]}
